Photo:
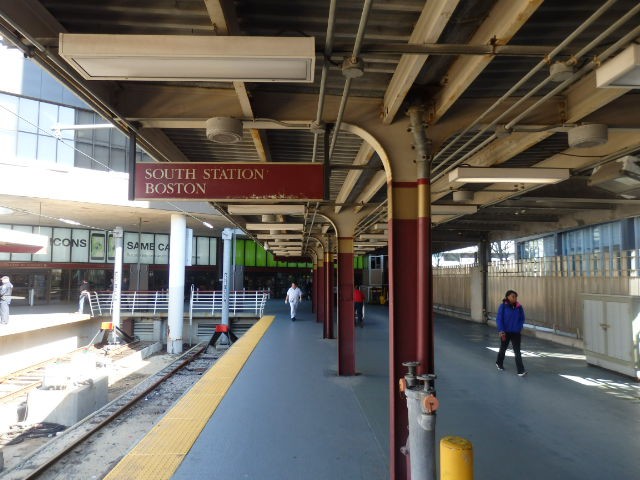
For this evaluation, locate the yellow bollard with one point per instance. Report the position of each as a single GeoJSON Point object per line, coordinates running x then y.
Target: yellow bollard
{"type": "Point", "coordinates": [456, 459]}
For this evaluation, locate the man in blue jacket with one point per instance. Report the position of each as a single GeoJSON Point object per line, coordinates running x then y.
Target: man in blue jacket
{"type": "Point", "coordinates": [510, 320]}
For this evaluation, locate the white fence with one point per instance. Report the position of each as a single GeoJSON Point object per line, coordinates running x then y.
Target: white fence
{"type": "Point", "coordinates": [201, 303]}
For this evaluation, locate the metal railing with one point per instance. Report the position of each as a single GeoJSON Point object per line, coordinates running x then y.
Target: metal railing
{"type": "Point", "coordinates": [209, 303]}
{"type": "Point", "coordinates": [240, 302]}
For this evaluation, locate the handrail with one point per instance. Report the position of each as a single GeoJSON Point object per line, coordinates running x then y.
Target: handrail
{"type": "Point", "coordinates": [207, 302]}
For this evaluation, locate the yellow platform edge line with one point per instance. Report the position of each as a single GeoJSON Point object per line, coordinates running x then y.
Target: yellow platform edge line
{"type": "Point", "coordinates": [190, 414]}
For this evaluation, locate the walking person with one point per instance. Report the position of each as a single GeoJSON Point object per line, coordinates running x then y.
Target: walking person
{"type": "Point", "coordinates": [510, 321]}
{"type": "Point", "coordinates": [6, 288]}
{"type": "Point", "coordinates": [293, 298]}
{"type": "Point", "coordinates": [358, 305]}
{"type": "Point", "coordinates": [84, 295]}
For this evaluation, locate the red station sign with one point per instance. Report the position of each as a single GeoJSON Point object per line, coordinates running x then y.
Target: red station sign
{"type": "Point", "coordinates": [229, 181]}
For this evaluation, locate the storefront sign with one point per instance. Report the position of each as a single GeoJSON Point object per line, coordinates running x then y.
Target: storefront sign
{"type": "Point", "coordinates": [229, 181]}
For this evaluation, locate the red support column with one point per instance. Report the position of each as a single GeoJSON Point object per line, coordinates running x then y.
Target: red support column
{"type": "Point", "coordinates": [346, 333]}
{"type": "Point", "coordinates": [424, 290]}
{"type": "Point", "coordinates": [329, 303]}
{"type": "Point", "coordinates": [403, 315]}
{"type": "Point", "coordinates": [314, 282]}
{"type": "Point", "coordinates": [320, 290]}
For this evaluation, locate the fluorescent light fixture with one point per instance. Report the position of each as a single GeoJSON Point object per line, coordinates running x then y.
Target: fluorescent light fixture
{"type": "Point", "coordinates": [70, 222]}
{"type": "Point", "coordinates": [453, 209]}
{"type": "Point", "coordinates": [274, 226]}
{"type": "Point", "coordinates": [508, 175]}
{"type": "Point", "coordinates": [621, 71]}
{"type": "Point", "coordinates": [207, 224]}
{"type": "Point", "coordinates": [282, 236]}
{"type": "Point", "coordinates": [266, 209]}
{"type": "Point", "coordinates": [373, 236]}
{"type": "Point", "coordinates": [280, 243]}
{"type": "Point", "coordinates": [189, 57]}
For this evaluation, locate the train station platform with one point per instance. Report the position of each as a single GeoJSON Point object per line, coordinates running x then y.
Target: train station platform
{"type": "Point", "coordinates": [287, 415]}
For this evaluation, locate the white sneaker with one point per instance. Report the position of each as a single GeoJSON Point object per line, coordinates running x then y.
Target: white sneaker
{"type": "Point", "coordinates": [522, 374]}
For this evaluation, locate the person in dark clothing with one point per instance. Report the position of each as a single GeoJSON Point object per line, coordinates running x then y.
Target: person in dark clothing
{"type": "Point", "coordinates": [84, 295]}
{"type": "Point", "coordinates": [510, 321]}
{"type": "Point", "coordinates": [358, 304]}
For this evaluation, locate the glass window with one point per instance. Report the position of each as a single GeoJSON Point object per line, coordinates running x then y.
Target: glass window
{"type": "Point", "coordinates": [8, 113]}
{"type": "Point", "coordinates": [46, 148]}
{"type": "Point", "coordinates": [101, 158]}
{"type": "Point", "coordinates": [47, 117]}
{"type": "Point", "coordinates": [117, 160]}
{"type": "Point", "coordinates": [101, 134]}
{"type": "Point", "coordinates": [83, 155]}
{"type": "Point", "coordinates": [28, 116]}
{"type": "Point", "coordinates": [27, 146]}
{"type": "Point", "coordinates": [66, 152]}
{"type": "Point", "coordinates": [162, 249]}
{"type": "Point", "coordinates": [46, 256]}
{"type": "Point", "coordinates": [21, 257]}
{"type": "Point", "coordinates": [67, 116]}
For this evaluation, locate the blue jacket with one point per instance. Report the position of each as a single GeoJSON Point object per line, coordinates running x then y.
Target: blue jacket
{"type": "Point", "coordinates": [510, 318]}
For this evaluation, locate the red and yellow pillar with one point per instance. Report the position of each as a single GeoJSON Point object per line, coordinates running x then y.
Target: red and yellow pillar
{"type": "Point", "coordinates": [346, 333]}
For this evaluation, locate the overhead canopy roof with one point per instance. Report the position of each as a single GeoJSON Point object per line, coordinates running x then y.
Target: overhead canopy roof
{"type": "Point", "coordinates": [480, 72]}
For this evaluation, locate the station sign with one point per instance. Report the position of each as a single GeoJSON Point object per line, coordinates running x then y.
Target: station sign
{"type": "Point", "coordinates": [216, 181]}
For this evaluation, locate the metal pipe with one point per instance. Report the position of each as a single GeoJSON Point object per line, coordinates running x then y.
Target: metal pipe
{"type": "Point", "coordinates": [328, 46]}
{"type": "Point", "coordinates": [586, 24]}
{"type": "Point", "coordinates": [366, 8]}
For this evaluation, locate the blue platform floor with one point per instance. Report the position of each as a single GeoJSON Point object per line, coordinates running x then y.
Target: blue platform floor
{"type": "Point", "coordinates": [289, 416]}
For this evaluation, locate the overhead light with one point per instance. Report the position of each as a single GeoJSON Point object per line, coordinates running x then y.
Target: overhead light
{"type": "Point", "coordinates": [560, 72]}
{"type": "Point", "coordinates": [274, 226]}
{"type": "Point", "coordinates": [622, 71]}
{"type": "Point", "coordinates": [224, 130]}
{"type": "Point", "coordinates": [619, 176]}
{"type": "Point", "coordinates": [266, 209]}
{"type": "Point", "coordinates": [70, 222]}
{"type": "Point", "coordinates": [5, 211]}
{"type": "Point", "coordinates": [588, 135]}
{"type": "Point", "coordinates": [462, 196]}
{"type": "Point", "coordinates": [508, 175]}
{"type": "Point", "coordinates": [207, 224]}
{"type": "Point", "coordinates": [453, 209]}
{"type": "Point", "coordinates": [189, 57]}
{"type": "Point", "coordinates": [283, 236]}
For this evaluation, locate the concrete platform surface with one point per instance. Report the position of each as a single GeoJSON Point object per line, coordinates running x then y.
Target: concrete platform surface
{"type": "Point", "coordinates": [288, 416]}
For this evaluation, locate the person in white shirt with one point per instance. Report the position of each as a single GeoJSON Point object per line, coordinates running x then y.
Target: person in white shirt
{"type": "Point", "coordinates": [293, 298]}
{"type": "Point", "coordinates": [5, 299]}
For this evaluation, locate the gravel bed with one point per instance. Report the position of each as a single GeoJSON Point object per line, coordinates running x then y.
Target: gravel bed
{"type": "Point", "coordinates": [94, 458]}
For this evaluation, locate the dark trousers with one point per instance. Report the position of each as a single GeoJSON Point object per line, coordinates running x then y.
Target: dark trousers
{"type": "Point", "coordinates": [358, 307]}
{"type": "Point", "coordinates": [514, 338]}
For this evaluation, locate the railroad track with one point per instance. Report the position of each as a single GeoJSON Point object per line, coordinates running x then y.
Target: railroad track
{"type": "Point", "coordinates": [18, 384]}
{"type": "Point", "coordinates": [92, 447]}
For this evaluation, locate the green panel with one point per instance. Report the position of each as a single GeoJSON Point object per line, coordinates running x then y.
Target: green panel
{"type": "Point", "coordinates": [240, 251]}
{"type": "Point", "coordinates": [250, 253]}
{"type": "Point", "coordinates": [358, 262]}
{"type": "Point", "coordinates": [261, 256]}
{"type": "Point", "coordinates": [282, 264]}
{"type": "Point", "coordinates": [271, 262]}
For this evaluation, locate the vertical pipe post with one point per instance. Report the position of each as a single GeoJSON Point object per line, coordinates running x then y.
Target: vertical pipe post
{"type": "Point", "coordinates": [227, 236]}
{"type": "Point", "coordinates": [177, 249]}
{"type": "Point", "coordinates": [118, 235]}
